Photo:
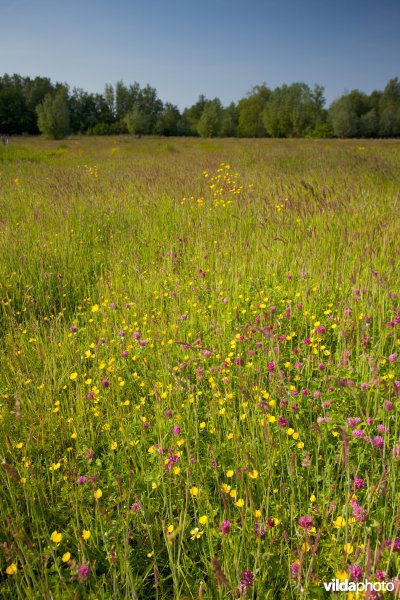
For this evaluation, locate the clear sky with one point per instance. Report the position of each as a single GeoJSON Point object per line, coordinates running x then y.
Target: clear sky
{"type": "Point", "coordinates": [212, 47]}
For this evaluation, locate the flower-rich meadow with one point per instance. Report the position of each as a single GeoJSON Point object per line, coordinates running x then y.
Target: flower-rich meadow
{"type": "Point", "coordinates": [199, 375]}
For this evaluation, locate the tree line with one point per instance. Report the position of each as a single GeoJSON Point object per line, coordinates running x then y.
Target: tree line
{"type": "Point", "coordinates": [36, 105]}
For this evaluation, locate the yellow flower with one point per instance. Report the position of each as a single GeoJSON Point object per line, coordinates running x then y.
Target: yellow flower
{"type": "Point", "coordinates": [300, 445]}
{"type": "Point", "coordinates": [98, 494]}
{"type": "Point", "coordinates": [348, 548]}
{"type": "Point", "coordinates": [230, 473]}
{"type": "Point", "coordinates": [203, 520]}
{"type": "Point", "coordinates": [19, 445]}
{"type": "Point", "coordinates": [114, 445]}
{"type": "Point", "coordinates": [95, 308]}
{"type": "Point", "coordinates": [56, 537]}
{"type": "Point", "coordinates": [11, 569]}
{"type": "Point", "coordinates": [150, 554]}
{"type": "Point", "coordinates": [194, 491]}
{"type": "Point", "coordinates": [65, 557]}
{"type": "Point", "coordinates": [86, 534]}
{"type": "Point", "coordinates": [176, 470]}
{"type": "Point", "coordinates": [341, 575]}
{"type": "Point", "coordinates": [170, 528]}
{"type": "Point", "coordinates": [253, 474]}
{"type": "Point", "coordinates": [312, 498]}
{"type": "Point", "coordinates": [290, 431]}
{"type": "Point", "coordinates": [339, 522]}
{"type": "Point", "coordinates": [257, 513]}
{"type": "Point", "coordinates": [239, 503]}
{"type": "Point", "coordinates": [196, 533]}
{"type": "Point", "coordinates": [73, 376]}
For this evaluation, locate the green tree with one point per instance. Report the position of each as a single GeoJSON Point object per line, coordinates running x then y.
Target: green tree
{"type": "Point", "coordinates": [53, 115]}
{"type": "Point", "coordinates": [137, 122]}
{"type": "Point", "coordinates": [167, 122]}
{"type": "Point", "coordinates": [251, 110]}
{"type": "Point", "coordinates": [389, 122]}
{"type": "Point", "coordinates": [294, 110]}
{"type": "Point", "coordinates": [209, 124]}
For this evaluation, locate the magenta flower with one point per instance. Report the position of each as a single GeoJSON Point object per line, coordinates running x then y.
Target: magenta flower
{"type": "Point", "coordinates": [83, 572]}
{"type": "Point", "coordinates": [393, 358]}
{"type": "Point", "coordinates": [378, 442]}
{"type": "Point", "coordinates": [306, 522]}
{"type": "Point", "coordinates": [105, 383]}
{"type": "Point", "coordinates": [225, 527]}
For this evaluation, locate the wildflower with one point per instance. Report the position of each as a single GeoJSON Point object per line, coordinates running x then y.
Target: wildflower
{"type": "Point", "coordinates": [83, 572]}
{"type": "Point", "coordinates": [105, 383]}
{"type": "Point", "coordinates": [358, 483]}
{"type": "Point", "coordinates": [196, 533]}
{"type": "Point", "coordinates": [65, 557]}
{"type": "Point", "coordinates": [378, 442]}
{"type": "Point", "coordinates": [246, 581]}
{"type": "Point", "coordinates": [230, 473]}
{"type": "Point", "coordinates": [393, 358]}
{"type": "Point", "coordinates": [355, 572]}
{"type": "Point", "coordinates": [294, 569]}
{"type": "Point", "coordinates": [135, 507]}
{"type": "Point", "coordinates": [98, 494]}
{"type": "Point", "coordinates": [306, 522]}
{"type": "Point", "coordinates": [239, 503]}
{"type": "Point", "coordinates": [170, 528]}
{"type": "Point", "coordinates": [11, 569]}
{"type": "Point", "coordinates": [225, 527]}
{"type": "Point", "coordinates": [203, 520]}
{"type": "Point", "coordinates": [56, 537]}
{"type": "Point", "coordinates": [73, 376]}
{"type": "Point", "coordinates": [194, 490]}
{"type": "Point", "coordinates": [359, 513]}
{"type": "Point", "coordinates": [339, 523]}
{"type": "Point", "coordinates": [86, 534]}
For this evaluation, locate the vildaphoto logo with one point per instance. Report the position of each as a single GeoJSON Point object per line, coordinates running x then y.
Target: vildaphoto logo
{"type": "Point", "coordinates": [335, 585]}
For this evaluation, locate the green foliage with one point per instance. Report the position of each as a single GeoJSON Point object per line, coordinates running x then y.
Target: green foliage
{"type": "Point", "coordinates": [138, 122]}
{"type": "Point", "coordinates": [250, 111]}
{"type": "Point", "coordinates": [209, 124]}
{"type": "Point", "coordinates": [53, 116]}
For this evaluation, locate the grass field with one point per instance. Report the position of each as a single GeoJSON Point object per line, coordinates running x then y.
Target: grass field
{"type": "Point", "coordinates": [199, 375]}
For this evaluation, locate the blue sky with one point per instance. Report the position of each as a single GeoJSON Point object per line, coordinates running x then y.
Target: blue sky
{"type": "Point", "coordinates": [215, 47]}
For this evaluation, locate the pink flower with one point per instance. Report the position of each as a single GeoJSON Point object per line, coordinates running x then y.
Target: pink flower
{"type": "Point", "coordinates": [306, 522]}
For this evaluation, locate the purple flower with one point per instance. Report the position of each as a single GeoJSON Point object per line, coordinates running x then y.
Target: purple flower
{"type": "Point", "coordinates": [136, 335]}
{"type": "Point", "coordinates": [73, 328]}
{"type": "Point", "coordinates": [259, 531]}
{"type": "Point", "coordinates": [393, 358]}
{"type": "Point", "coordinates": [294, 569]}
{"type": "Point", "coordinates": [105, 383]}
{"type": "Point", "coordinates": [206, 353]}
{"type": "Point", "coordinates": [393, 544]}
{"type": "Point", "coordinates": [270, 366]}
{"type": "Point", "coordinates": [359, 513]}
{"type": "Point", "coordinates": [246, 580]}
{"type": "Point", "coordinates": [388, 405]}
{"type": "Point", "coordinates": [355, 572]}
{"type": "Point", "coordinates": [81, 480]}
{"type": "Point", "coordinates": [357, 433]}
{"type": "Point", "coordinates": [168, 413]}
{"type": "Point", "coordinates": [353, 421]}
{"type": "Point", "coordinates": [382, 429]}
{"type": "Point", "coordinates": [83, 572]}
{"type": "Point", "coordinates": [176, 430]}
{"type": "Point", "coordinates": [225, 527]}
{"type": "Point", "coordinates": [358, 483]}
{"type": "Point", "coordinates": [136, 507]}
{"type": "Point", "coordinates": [378, 442]}
{"type": "Point", "coordinates": [306, 522]}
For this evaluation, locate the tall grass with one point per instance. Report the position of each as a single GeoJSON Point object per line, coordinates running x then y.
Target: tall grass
{"type": "Point", "coordinates": [199, 376]}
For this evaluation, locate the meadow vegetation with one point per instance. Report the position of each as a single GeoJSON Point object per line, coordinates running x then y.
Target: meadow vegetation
{"type": "Point", "coordinates": [199, 383]}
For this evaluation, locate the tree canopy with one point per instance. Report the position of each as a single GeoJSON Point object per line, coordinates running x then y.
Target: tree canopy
{"type": "Point", "coordinates": [32, 106]}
